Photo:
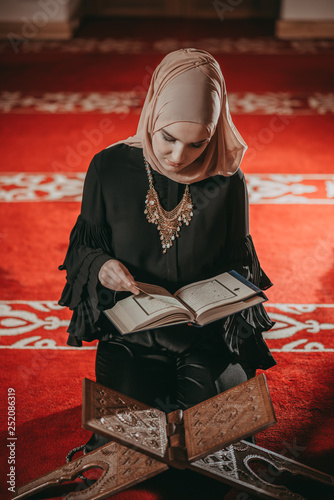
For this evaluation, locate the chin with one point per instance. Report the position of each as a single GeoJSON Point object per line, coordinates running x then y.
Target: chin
{"type": "Point", "coordinates": [172, 168]}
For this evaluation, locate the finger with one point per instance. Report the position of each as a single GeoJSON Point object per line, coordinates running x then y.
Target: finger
{"type": "Point", "coordinates": [129, 282]}
{"type": "Point", "coordinates": [110, 279]}
{"type": "Point", "coordinates": [116, 276]}
{"type": "Point", "coordinates": [117, 281]}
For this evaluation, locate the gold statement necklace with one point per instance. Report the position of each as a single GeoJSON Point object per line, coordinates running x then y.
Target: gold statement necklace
{"type": "Point", "coordinates": [168, 223]}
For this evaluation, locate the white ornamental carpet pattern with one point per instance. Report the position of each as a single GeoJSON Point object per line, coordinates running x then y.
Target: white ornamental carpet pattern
{"type": "Point", "coordinates": [42, 325]}
{"type": "Point", "coordinates": [245, 103]}
{"type": "Point", "coordinates": [244, 45]}
{"type": "Point", "coordinates": [314, 189]}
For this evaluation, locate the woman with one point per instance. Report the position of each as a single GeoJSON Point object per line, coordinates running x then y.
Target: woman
{"type": "Point", "coordinates": [185, 158]}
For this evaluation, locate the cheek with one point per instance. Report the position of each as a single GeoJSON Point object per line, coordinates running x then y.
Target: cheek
{"type": "Point", "coordinates": [160, 146]}
{"type": "Point", "coordinates": [196, 153]}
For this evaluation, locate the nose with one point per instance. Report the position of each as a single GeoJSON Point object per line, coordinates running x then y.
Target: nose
{"type": "Point", "coordinates": [178, 155]}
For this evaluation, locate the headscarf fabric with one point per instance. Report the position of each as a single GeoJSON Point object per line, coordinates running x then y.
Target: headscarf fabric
{"type": "Point", "coordinates": [188, 86]}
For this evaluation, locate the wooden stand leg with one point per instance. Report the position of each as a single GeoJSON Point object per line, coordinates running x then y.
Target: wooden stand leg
{"type": "Point", "coordinates": [232, 466]}
{"type": "Point", "coordinates": [122, 468]}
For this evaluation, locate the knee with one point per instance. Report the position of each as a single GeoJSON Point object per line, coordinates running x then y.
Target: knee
{"type": "Point", "coordinates": [112, 361]}
{"type": "Point", "coordinates": [234, 374]}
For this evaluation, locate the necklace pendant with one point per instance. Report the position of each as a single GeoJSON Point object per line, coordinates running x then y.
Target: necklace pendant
{"type": "Point", "coordinates": [168, 223]}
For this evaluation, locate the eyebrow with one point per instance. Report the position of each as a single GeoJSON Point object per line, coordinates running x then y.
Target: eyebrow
{"type": "Point", "coordinates": [172, 137]}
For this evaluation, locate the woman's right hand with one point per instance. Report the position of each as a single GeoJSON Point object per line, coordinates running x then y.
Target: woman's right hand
{"type": "Point", "coordinates": [114, 275]}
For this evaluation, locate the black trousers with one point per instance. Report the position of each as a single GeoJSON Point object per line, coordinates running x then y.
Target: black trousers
{"type": "Point", "coordinates": [181, 367]}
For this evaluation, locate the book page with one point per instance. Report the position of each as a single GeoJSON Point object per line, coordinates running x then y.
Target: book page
{"type": "Point", "coordinates": [155, 298]}
{"type": "Point", "coordinates": [138, 311]}
{"type": "Point", "coordinates": [206, 294]}
{"type": "Point", "coordinates": [152, 305]}
{"type": "Point", "coordinates": [213, 313]}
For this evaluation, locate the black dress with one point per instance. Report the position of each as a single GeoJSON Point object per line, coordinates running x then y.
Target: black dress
{"type": "Point", "coordinates": [112, 224]}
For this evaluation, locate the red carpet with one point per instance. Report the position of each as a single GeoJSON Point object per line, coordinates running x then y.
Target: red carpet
{"type": "Point", "coordinates": [62, 102]}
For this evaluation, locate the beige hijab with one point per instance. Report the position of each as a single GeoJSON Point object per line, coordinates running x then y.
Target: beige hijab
{"type": "Point", "coordinates": [188, 86]}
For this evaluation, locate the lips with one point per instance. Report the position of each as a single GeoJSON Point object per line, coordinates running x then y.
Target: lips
{"type": "Point", "coordinates": [172, 164]}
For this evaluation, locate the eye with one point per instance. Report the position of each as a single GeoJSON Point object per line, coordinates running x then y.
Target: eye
{"type": "Point", "coordinates": [167, 138]}
{"type": "Point", "coordinates": [200, 145]}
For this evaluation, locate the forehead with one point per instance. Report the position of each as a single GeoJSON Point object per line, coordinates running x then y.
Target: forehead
{"type": "Point", "coordinates": [187, 131]}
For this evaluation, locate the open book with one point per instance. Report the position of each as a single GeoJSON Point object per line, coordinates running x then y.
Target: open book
{"type": "Point", "coordinates": [198, 303]}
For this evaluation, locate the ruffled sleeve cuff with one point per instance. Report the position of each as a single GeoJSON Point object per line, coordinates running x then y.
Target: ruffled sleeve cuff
{"type": "Point", "coordinates": [83, 289]}
{"type": "Point", "coordinates": [85, 281]}
{"type": "Point", "coordinates": [242, 257]}
{"type": "Point", "coordinates": [243, 336]}
{"type": "Point", "coordinates": [243, 331]}
{"type": "Point", "coordinates": [85, 318]}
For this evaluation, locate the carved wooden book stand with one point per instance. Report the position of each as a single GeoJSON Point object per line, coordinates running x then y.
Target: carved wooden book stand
{"type": "Point", "coordinates": [146, 442]}
{"type": "Point", "coordinates": [179, 437]}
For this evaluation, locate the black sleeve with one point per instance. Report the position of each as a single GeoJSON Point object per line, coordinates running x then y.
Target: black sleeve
{"type": "Point", "coordinates": [89, 248]}
{"type": "Point", "coordinates": [240, 251]}
{"type": "Point", "coordinates": [243, 331]}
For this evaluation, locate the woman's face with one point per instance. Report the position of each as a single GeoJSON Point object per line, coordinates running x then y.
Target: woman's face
{"type": "Point", "coordinates": [178, 145]}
